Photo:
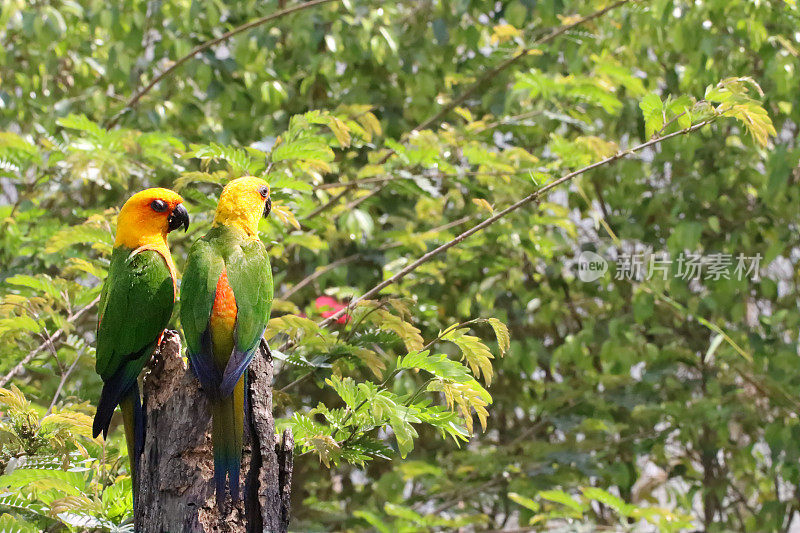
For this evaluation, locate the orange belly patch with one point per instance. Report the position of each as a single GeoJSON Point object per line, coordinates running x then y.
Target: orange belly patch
{"type": "Point", "coordinates": [223, 320]}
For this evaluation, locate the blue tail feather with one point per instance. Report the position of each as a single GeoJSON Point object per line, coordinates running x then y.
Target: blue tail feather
{"type": "Point", "coordinates": [227, 436]}
{"type": "Point", "coordinates": [227, 471]}
{"type": "Point", "coordinates": [114, 390]}
{"type": "Point", "coordinates": [204, 368]}
{"type": "Point", "coordinates": [118, 386]}
{"type": "Point", "coordinates": [237, 365]}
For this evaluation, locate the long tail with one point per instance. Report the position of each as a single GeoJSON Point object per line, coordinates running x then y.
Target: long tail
{"type": "Point", "coordinates": [115, 389]}
{"type": "Point", "coordinates": [133, 419]}
{"type": "Point", "coordinates": [227, 430]}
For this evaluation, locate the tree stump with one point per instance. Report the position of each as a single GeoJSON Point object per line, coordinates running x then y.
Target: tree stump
{"type": "Point", "coordinates": [175, 486]}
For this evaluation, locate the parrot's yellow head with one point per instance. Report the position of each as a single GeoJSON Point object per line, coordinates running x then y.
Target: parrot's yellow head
{"type": "Point", "coordinates": [148, 216]}
{"type": "Point", "coordinates": [242, 204]}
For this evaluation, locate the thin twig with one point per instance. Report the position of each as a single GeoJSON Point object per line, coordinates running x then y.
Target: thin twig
{"type": "Point", "coordinates": [353, 183]}
{"type": "Point", "coordinates": [350, 258]}
{"type": "Point", "coordinates": [599, 192]}
{"type": "Point", "coordinates": [297, 381]}
{"type": "Point", "coordinates": [450, 328]}
{"type": "Point", "coordinates": [344, 261]}
{"type": "Point", "coordinates": [64, 378]}
{"type": "Point", "coordinates": [449, 225]}
{"type": "Point", "coordinates": [358, 201]}
{"type": "Point", "coordinates": [33, 353]}
{"type": "Point", "coordinates": [319, 272]}
{"type": "Point", "coordinates": [508, 121]}
{"type": "Point", "coordinates": [325, 206]}
{"type": "Point", "coordinates": [205, 46]}
{"type": "Point", "coordinates": [394, 177]}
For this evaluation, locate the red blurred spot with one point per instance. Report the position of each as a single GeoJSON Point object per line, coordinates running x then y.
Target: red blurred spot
{"type": "Point", "coordinates": [328, 306]}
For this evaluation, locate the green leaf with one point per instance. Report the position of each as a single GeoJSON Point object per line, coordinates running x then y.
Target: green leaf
{"type": "Point", "coordinates": [238, 159]}
{"type": "Point", "coordinates": [525, 502]}
{"type": "Point", "coordinates": [373, 520]}
{"type": "Point", "coordinates": [712, 348]}
{"type": "Point", "coordinates": [81, 234]}
{"type": "Point", "coordinates": [653, 112]}
{"type": "Point", "coordinates": [439, 365]}
{"type": "Point", "coordinates": [559, 496]}
{"type": "Point", "coordinates": [11, 524]}
{"type": "Point", "coordinates": [474, 351]}
{"type": "Point", "coordinates": [82, 123]}
{"type": "Point", "coordinates": [386, 320]}
{"type": "Point", "coordinates": [278, 182]}
{"type": "Point", "coordinates": [303, 149]}
{"type": "Point", "coordinates": [291, 325]}
{"type": "Point", "coordinates": [618, 504]}
{"type": "Point", "coordinates": [501, 332]}
{"type": "Point", "coordinates": [400, 422]}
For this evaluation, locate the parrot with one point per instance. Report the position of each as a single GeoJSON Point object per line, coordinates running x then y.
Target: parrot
{"type": "Point", "coordinates": [136, 303]}
{"type": "Point", "coordinates": [226, 298]}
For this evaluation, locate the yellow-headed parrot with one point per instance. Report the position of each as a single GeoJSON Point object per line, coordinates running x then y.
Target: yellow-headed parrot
{"type": "Point", "coordinates": [135, 305]}
{"type": "Point", "coordinates": [226, 296]}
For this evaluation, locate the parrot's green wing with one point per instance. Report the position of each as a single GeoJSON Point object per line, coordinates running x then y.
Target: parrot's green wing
{"type": "Point", "coordinates": [250, 277]}
{"type": "Point", "coordinates": [137, 301]}
{"type": "Point", "coordinates": [198, 289]}
{"type": "Point", "coordinates": [135, 307]}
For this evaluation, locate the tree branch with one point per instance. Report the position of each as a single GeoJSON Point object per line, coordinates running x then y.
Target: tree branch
{"type": "Point", "coordinates": [327, 205]}
{"type": "Point", "coordinates": [350, 258]}
{"type": "Point", "coordinates": [33, 353]}
{"type": "Point", "coordinates": [353, 183]}
{"type": "Point", "coordinates": [500, 214]}
{"type": "Point", "coordinates": [205, 46]}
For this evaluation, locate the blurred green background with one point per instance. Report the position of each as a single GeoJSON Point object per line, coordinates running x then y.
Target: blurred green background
{"type": "Point", "coordinates": [621, 404]}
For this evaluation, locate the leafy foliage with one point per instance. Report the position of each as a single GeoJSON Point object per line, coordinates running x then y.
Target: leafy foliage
{"type": "Point", "coordinates": [620, 403]}
{"type": "Point", "coordinates": [51, 472]}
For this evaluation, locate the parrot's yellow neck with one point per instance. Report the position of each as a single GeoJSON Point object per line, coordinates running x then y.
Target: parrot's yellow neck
{"type": "Point", "coordinates": [240, 219]}
{"type": "Point", "coordinates": [132, 237]}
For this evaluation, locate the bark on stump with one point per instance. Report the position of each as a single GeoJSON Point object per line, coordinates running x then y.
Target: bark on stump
{"type": "Point", "coordinates": [176, 486]}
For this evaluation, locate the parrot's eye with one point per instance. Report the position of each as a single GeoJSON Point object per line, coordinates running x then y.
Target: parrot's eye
{"type": "Point", "coordinates": [159, 206]}
{"type": "Point", "coordinates": [264, 191]}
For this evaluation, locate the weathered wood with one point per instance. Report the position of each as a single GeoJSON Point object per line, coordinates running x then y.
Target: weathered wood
{"type": "Point", "coordinates": [176, 489]}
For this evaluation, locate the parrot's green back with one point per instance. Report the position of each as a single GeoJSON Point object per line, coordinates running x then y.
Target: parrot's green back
{"type": "Point", "coordinates": [135, 306]}
{"type": "Point", "coordinates": [221, 350]}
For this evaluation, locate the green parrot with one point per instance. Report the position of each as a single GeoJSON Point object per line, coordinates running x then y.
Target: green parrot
{"type": "Point", "coordinates": [226, 297]}
{"type": "Point", "coordinates": [135, 306]}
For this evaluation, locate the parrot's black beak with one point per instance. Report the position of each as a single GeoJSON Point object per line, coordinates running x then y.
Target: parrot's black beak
{"type": "Point", "coordinates": [267, 207]}
{"type": "Point", "coordinates": [178, 218]}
